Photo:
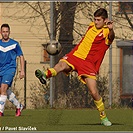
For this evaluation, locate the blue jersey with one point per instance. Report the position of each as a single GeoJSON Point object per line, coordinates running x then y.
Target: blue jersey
{"type": "Point", "coordinates": [8, 54]}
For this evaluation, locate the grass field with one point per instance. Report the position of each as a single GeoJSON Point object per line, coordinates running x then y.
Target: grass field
{"type": "Point", "coordinates": [67, 120]}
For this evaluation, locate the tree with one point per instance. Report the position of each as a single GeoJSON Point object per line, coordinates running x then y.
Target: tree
{"type": "Point", "coordinates": [125, 8]}
{"type": "Point", "coordinates": [30, 12]}
{"type": "Point", "coordinates": [67, 10]}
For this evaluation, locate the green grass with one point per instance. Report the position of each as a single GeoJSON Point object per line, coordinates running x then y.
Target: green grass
{"type": "Point", "coordinates": [69, 120]}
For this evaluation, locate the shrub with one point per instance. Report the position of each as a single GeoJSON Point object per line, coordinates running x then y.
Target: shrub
{"type": "Point", "coordinates": [76, 96]}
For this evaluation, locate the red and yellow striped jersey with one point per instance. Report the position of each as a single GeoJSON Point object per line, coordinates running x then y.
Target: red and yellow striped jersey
{"type": "Point", "coordinates": [93, 45]}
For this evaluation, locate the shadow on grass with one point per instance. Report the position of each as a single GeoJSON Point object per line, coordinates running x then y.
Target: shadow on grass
{"type": "Point", "coordinates": [99, 124]}
{"type": "Point", "coordinates": [11, 115]}
{"type": "Point", "coordinates": [91, 124]}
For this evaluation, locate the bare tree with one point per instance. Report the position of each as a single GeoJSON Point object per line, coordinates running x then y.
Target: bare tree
{"type": "Point", "coordinates": [67, 14]}
{"type": "Point", "coordinates": [123, 10]}
{"type": "Point", "coordinates": [31, 12]}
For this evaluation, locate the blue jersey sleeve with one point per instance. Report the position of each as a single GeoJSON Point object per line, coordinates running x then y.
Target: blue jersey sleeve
{"type": "Point", "coordinates": [18, 50]}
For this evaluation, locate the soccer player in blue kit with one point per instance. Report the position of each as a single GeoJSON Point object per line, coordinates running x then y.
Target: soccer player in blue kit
{"type": "Point", "coordinates": [9, 50]}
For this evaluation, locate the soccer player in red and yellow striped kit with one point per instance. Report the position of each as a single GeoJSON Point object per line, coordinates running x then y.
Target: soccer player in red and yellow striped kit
{"type": "Point", "coordinates": [87, 57]}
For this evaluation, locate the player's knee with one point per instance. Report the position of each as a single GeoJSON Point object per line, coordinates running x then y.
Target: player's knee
{"type": "Point", "coordinates": [10, 94]}
{"type": "Point", "coordinates": [3, 90]}
{"type": "Point", "coordinates": [94, 93]}
{"type": "Point", "coordinates": [62, 66]}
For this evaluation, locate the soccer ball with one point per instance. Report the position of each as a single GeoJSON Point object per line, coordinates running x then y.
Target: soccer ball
{"type": "Point", "coordinates": [53, 48]}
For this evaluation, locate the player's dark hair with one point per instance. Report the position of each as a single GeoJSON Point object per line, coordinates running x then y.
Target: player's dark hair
{"type": "Point", "coordinates": [101, 12]}
{"type": "Point", "coordinates": [5, 25]}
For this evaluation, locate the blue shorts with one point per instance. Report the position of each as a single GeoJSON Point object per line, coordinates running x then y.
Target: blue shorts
{"type": "Point", "coordinates": [7, 77]}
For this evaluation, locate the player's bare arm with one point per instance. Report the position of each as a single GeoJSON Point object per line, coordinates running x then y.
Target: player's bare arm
{"type": "Point", "coordinates": [22, 73]}
{"type": "Point", "coordinates": [111, 35]}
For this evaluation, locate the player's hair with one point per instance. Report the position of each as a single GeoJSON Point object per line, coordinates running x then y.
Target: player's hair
{"type": "Point", "coordinates": [101, 12]}
{"type": "Point", "coordinates": [5, 25]}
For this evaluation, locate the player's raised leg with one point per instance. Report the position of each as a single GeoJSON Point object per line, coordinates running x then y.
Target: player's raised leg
{"type": "Point", "coordinates": [12, 98]}
{"type": "Point", "coordinates": [91, 84]}
{"type": "Point", "coordinates": [43, 75]}
{"type": "Point", "coordinates": [51, 72]}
